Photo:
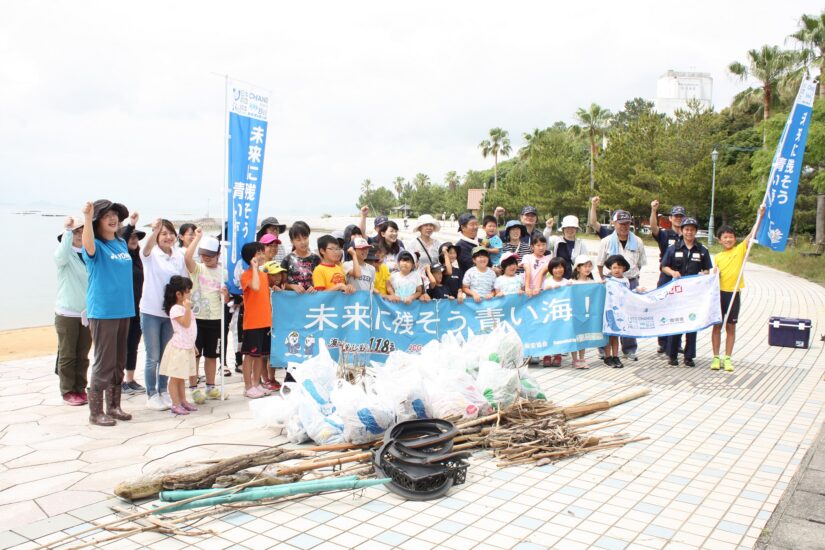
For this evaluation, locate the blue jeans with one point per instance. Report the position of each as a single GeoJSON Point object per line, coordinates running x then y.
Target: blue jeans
{"type": "Point", "coordinates": [157, 331]}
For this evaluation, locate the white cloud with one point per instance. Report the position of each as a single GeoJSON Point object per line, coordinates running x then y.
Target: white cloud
{"type": "Point", "coordinates": [126, 101]}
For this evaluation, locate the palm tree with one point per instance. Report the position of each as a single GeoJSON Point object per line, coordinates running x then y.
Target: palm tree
{"type": "Point", "coordinates": [421, 180]}
{"type": "Point", "coordinates": [812, 36]}
{"type": "Point", "coordinates": [594, 122]}
{"type": "Point", "coordinates": [452, 180]}
{"type": "Point", "coordinates": [366, 186]}
{"type": "Point", "coordinates": [398, 184]}
{"type": "Point", "coordinates": [531, 143]}
{"type": "Point", "coordinates": [770, 65]}
{"type": "Point", "coordinates": [498, 144]}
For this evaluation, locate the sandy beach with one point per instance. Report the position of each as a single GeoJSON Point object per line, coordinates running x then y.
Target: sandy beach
{"type": "Point", "coordinates": [27, 342]}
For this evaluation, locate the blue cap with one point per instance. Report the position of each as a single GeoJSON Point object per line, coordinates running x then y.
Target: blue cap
{"type": "Point", "coordinates": [465, 218]}
{"type": "Point", "coordinates": [678, 211]}
{"type": "Point", "coordinates": [381, 220]}
{"type": "Point", "coordinates": [690, 221]}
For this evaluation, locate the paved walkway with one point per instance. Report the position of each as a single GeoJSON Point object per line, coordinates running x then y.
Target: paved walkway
{"type": "Point", "coordinates": [722, 450]}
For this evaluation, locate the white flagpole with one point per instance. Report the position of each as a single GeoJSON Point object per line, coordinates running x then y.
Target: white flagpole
{"type": "Point", "coordinates": [224, 234]}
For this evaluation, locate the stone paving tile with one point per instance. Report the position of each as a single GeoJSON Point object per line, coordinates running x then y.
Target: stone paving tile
{"type": "Point", "coordinates": [722, 449]}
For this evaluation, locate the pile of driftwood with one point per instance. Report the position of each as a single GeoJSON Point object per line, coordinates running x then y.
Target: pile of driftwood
{"type": "Point", "coordinates": [536, 432]}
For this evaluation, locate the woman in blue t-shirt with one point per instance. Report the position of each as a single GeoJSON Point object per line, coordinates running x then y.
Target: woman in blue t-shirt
{"type": "Point", "coordinates": [109, 306]}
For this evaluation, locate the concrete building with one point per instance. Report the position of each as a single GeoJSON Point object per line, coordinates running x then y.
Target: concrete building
{"type": "Point", "coordinates": [675, 88]}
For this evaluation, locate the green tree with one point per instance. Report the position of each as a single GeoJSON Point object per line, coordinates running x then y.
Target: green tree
{"type": "Point", "coordinates": [398, 185]}
{"type": "Point", "coordinates": [380, 200]}
{"type": "Point", "coordinates": [593, 122]}
{"type": "Point", "coordinates": [811, 35]}
{"type": "Point", "coordinates": [633, 109]}
{"type": "Point", "coordinates": [366, 186]}
{"type": "Point", "coordinates": [770, 65]}
{"type": "Point", "coordinates": [530, 143]}
{"type": "Point", "coordinates": [451, 180]}
{"type": "Point", "coordinates": [498, 144]}
{"type": "Point", "coordinates": [421, 180]}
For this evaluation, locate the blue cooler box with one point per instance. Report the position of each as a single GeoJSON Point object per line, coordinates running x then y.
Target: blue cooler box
{"type": "Point", "coordinates": [788, 332]}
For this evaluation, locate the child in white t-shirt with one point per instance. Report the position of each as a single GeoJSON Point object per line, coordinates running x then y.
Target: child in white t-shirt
{"type": "Point", "coordinates": [405, 285]}
{"type": "Point", "coordinates": [509, 282]}
{"type": "Point", "coordinates": [479, 280]}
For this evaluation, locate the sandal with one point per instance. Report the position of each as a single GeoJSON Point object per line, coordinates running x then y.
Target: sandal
{"type": "Point", "coordinates": [227, 372]}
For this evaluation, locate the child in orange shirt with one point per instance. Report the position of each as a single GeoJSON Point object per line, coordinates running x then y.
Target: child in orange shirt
{"type": "Point", "coordinates": [329, 274]}
{"type": "Point", "coordinates": [257, 320]}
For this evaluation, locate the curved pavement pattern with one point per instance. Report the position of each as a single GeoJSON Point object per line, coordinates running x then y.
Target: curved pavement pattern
{"type": "Point", "coordinates": [722, 449]}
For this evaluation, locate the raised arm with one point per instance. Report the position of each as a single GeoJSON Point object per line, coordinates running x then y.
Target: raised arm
{"type": "Point", "coordinates": [362, 223]}
{"type": "Point", "coordinates": [88, 230]}
{"type": "Point", "coordinates": [759, 217]}
{"type": "Point", "coordinates": [153, 238]}
{"type": "Point", "coordinates": [189, 256]}
{"type": "Point", "coordinates": [593, 215]}
{"type": "Point", "coordinates": [64, 250]}
{"type": "Point", "coordinates": [654, 218]}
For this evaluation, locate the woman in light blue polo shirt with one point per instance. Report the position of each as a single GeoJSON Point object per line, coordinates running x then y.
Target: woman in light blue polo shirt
{"type": "Point", "coordinates": [109, 306]}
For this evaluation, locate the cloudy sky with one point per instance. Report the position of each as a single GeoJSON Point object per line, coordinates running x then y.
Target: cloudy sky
{"type": "Point", "coordinates": [126, 100]}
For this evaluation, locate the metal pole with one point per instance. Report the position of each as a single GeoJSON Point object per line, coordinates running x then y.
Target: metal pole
{"type": "Point", "coordinates": [711, 224]}
{"type": "Point", "coordinates": [223, 233]}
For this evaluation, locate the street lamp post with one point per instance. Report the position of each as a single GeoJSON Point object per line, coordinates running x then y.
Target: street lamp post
{"type": "Point", "coordinates": [714, 155]}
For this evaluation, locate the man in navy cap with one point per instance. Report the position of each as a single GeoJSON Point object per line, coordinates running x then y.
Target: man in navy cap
{"type": "Point", "coordinates": [685, 257]}
{"type": "Point", "coordinates": [665, 238]}
{"type": "Point", "coordinates": [529, 217]}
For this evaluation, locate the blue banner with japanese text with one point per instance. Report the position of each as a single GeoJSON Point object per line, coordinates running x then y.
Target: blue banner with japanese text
{"type": "Point", "coordinates": [555, 321]}
{"type": "Point", "coordinates": [247, 142]}
{"type": "Point", "coordinates": [780, 195]}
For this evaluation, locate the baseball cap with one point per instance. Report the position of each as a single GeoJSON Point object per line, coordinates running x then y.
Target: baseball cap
{"type": "Point", "coordinates": [436, 267]}
{"type": "Point", "coordinates": [209, 246]}
{"type": "Point", "coordinates": [690, 221]}
{"type": "Point", "coordinates": [581, 259]}
{"type": "Point", "coordinates": [570, 221]}
{"type": "Point", "coordinates": [406, 255]}
{"type": "Point", "coordinates": [269, 239]}
{"type": "Point", "coordinates": [359, 242]}
{"type": "Point", "coordinates": [479, 250]}
{"type": "Point", "coordinates": [529, 210]}
{"type": "Point", "coordinates": [622, 216]}
{"type": "Point", "coordinates": [678, 211]}
{"type": "Point", "coordinates": [372, 255]}
{"type": "Point", "coordinates": [465, 218]}
{"type": "Point", "coordinates": [508, 257]}
{"type": "Point", "coordinates": [272, 268]}
{"type": "Point", "coordinates": [381, 220]}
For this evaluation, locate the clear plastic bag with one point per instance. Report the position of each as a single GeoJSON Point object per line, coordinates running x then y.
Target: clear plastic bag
{"type": "Point", "coordinates": [365, 416]}
{"type": "Point", "coordinates": [529, 386]}
{"type": "Point", "coordinates": [316, 376]}
{"type": "Point", "coordinates": [499, 386]}
{"type": "Point", "coordinates": [402, 389]}
{"type": "Point", "coordinates": [321, 429]}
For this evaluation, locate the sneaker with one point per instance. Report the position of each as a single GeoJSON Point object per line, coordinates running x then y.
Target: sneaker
{"type": "Point", "coordinates": [547, 361]}
{"type": "Point", "coordinates": [716, 364]}
{"type": "Point", "coordinates": [727, 363]}
{"type": "Point", "coordinates": [188, 406]}
{"type": "Point", "coordinates": [264, 390]}
{"type": "Point", "coordinates": [227, 372]}
{"type": "Point", "coordinates": [156, 403]}
{"type": "Point", "coordinates": [126, 389]}
{"type": "Point", "coordinates": [617, 363]}
{"type": "Point", "coordinates": [198, 396]}
{"type": "Point", "coordinates": [71, 398]}
{"type": "Point", "coordinates": [253, 393]}
{"type": "Point", "coordinates": [689, 363]}
{"type": "Point", "coordinates": [660, 349]}
{"type": "Point", "coordinates": [137, 388]}
{"type": "Point", "coordinates": [673, 361]}
{"type": "Point", "coordinates": [556, 361]}
{"type": "Point", "coordinates": [83, 397]}
{"type": "Point", "coordinates": [608, 360]}
{"type": "Point", "coordinates": [213, 393]}
{"type": "Point", "coordinates": [238, 369]}
{"type": "Point", "coordinates": [178, 410]}
{"type": "Point", "coordinates": [167, 399]}
{"type": "Point", "coordinates": [273, 385]}
{"type": "Point", "coordinates": [580, 364]}
{"type": "Point", "coordinates": [631, 356]}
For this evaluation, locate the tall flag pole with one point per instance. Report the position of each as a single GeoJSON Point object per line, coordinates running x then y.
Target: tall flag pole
{"type": "Point", "coordinates": [772, 229]}
{"type": "Point", "coordinates": [247, 108]}
{"type": "Point", "coordinates": [223, 236]}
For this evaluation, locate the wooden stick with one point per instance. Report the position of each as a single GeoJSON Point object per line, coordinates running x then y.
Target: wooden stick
{"type": "Point", "coordinates": [314, 465]}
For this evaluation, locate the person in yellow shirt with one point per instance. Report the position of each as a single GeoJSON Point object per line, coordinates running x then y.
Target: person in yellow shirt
{"type": "Point", "coordinates": [329, 274]}
{"type": "Point", "coordinates": [729, 263]}
{"type": "Point", "coordinates": [375, 258]}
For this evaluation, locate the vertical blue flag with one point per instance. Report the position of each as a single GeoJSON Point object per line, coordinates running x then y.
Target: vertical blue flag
{"type": "Point", "coordinates": [247, 142]}
{"type": "Point", "coordinates": [780, 195]}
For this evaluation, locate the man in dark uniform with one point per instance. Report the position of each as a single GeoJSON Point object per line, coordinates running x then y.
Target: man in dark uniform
{"type": "Point", "coordinates": [665, 238]}
{"type": "Point", "coordinates": [685, 257]}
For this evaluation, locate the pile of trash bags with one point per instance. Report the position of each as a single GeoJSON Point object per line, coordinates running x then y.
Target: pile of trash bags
{"type": "Point", "coordinates": [450, 378]}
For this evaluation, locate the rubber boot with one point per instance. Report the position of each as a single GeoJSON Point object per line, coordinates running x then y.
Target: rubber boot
{"type": "Point", "coordinates": [96, 415]}
{"type": "Point", "coordinates": [113, 403]}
